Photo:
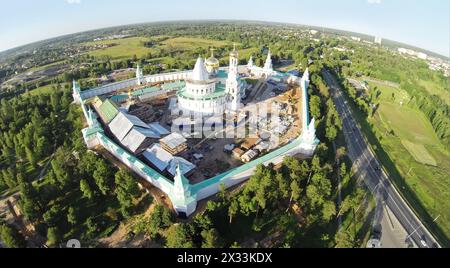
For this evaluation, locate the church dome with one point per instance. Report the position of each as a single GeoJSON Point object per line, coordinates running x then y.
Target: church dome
{"type": "Point", "coordinates": [234, 53]}
{"type": "Point", "coordinates": [213, 62]}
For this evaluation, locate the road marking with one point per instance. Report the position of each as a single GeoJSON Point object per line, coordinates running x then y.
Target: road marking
{"type": "Point", "coordinates": [367, 155]}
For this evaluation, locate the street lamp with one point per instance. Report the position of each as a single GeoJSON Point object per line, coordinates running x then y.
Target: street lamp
{"type": "Point", "coordinates": [420, 226]}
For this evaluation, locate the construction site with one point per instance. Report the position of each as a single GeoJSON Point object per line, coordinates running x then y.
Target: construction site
{"type": "Point", "coordinates": [142, 123]}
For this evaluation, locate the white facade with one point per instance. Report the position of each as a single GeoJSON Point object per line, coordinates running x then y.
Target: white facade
{"type": "Point", "coordinates": [266, 71]}
{"type": "Point", "coordinates": [206, 94]}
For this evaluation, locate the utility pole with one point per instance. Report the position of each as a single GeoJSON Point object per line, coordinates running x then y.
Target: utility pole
{"type": "Point", "coordinates": [420, 226]}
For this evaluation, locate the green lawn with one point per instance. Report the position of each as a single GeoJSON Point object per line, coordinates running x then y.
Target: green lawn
{"type": "Point", "coordinates": [124, 48]}
{"type": "Point", "coordinates": [426, 187]}
{"type": "Point", "coordinates": [42, 90]}
{"type": "Point", "coordinates": [390, 94]}
{"type": "Point", "coordinates": [407, 123]}
{"type": "Point", "coordinates": [128, 47]}
{"type": "Point", "coordinates": [419, 152]}
{"type": "Point", "coordinates": [435, 89]}
{"type": "Point", "coordinates": [191, 43]}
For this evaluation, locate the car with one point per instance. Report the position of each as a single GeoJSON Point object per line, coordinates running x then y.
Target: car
{"type": "Point", "coordinates": [423, 243]}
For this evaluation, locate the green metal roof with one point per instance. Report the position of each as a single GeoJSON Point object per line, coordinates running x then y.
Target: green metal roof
{"type": "Point", "coordinates": [146, 90]}
{"type": "Point", "coordinates": [108, 111]}
{"type": "Point", "coordinates": [174, 85]}
{"type": "Point", "coordinates": [222, 74]}
{"type": "Point", "coordinates": [220, 92]}
{"type": "Point", "coordinates": [119, 98]}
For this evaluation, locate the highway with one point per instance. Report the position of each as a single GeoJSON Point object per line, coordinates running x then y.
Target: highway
{"type": "Point", "coordinates": [375, 178]}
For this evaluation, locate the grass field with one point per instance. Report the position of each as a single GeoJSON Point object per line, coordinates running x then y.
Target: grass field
{"type": "Point", "coordinates": [190, 43]}
{"type": "Point", "coordinates": [434, 89]}
{"type": "Point", "coordinates": [400, 96]}
{"type": "Point", "coordinates": [403, 139]}
{"type": "Point", "coordinates": [407, 123]}
{"type": "Point", "coordinates": [128, 47]}
{"type": "Point", "coordinates": [419, 152]}
{"type": "Point", "coordinates": [42, 90]}
{"type": "Point", "coordinates": [125, 48]}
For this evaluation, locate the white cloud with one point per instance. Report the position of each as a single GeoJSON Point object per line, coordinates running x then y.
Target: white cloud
{"type": "Point", "coordinates": [71, 2]}
{"type": "Point", "coordinates": [374, 2]}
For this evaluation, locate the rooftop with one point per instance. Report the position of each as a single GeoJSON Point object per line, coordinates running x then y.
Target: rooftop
{"type": "Point", "coordinates": [220, 92]}
{"type": "Point", "coordinates": [174, 140]}
{"type": "Point", "coordinates": [200, 73]}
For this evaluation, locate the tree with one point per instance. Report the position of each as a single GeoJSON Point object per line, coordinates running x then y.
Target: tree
{"type": "Point", "coordinates": [53, 236]}
{"type": "Point", "coordinates": [344, 240]}
{"type": "Point", "coordinates": [53, 215]}
{"type": "Point", "coordinates": [314, 105]}
{"type": "Point", "coordinates": [160, 218]}
{"type": "Point", "coordinates": [331, 133]}
{"type": "Point", "coordinates": [295, 193]}
{"type": "Point", "coordinates": [233, 209]}
{"type": "Point", "coordinates": [352, 201]}
{"type": "Point", "coordinates": [72, 216]}
{"type": "Point", "coordinates": [222, 194]}
{"type": "Point", "coordinates": [210, 239]}
{"type": "Point", "coordinates": [92, 227]}
{"type": "Point", "coordinates": [178, 236]}
{"type": "Point", "coordinates": [328, 211]}
{"type": "Point", "coordinates": [102, 176]}
{"type": "Point", "coordinates": [126, 190]}
{"type": "Point", "coordinates": [86, 189]}
{"type": "Point", "coordinates": [11, 237]}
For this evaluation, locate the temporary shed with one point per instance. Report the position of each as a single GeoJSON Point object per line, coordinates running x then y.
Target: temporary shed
{"type": "Point", "coordinates": [175, 143]}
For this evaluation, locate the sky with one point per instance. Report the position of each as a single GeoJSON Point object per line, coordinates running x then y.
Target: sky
{"type": "Point", "coordinates": [422, 23]}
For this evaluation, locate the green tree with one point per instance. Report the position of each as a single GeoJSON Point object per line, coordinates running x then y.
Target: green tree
{"type": "Point", "coordinates": [53, 215]}
{"type": "Point", "coordinates": [126, 190]}
{"type": "Point", "coordinates": [233, 209]}
{"type": "Point", "coordinates": [179, 236]}
{"type": "Point", "coordinates": [211, 239]}
{"type": "Point", "coordinates": [11, 237]}
{"type": "Point", "coordinates": [159, 219]}
{"type": "Point", "coordinates": [102, 176]}
{"type": "Point", "coordinates": [314, 107]}
{"type": "Point", "coordinates": [72, 216]}
{"type": "Point", "coordinates": [86, 189]}
{"type": "Point", "coordinates": [53, 236]}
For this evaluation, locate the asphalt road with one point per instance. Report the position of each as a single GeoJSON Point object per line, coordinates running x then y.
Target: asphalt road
{"type": "Point", "coordinates": [374, 176]}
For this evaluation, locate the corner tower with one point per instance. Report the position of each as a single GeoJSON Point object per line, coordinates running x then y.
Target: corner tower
{"type": "Point", "coordinates": [139, 75]}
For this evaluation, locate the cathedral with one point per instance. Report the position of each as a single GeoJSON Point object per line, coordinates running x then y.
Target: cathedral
{"type": "Point", "coordinates": [210, 90]}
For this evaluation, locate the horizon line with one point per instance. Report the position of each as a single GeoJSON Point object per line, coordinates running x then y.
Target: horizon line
{"type": "Point", "coordinates": [215, 20]}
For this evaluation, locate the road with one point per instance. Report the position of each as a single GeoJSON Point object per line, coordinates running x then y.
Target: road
{"type": "Point", "coordinates": [369, 168]}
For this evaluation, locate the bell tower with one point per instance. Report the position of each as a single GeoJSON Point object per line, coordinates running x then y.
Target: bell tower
{"type": "Point", "coordinates": [232, 84]}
